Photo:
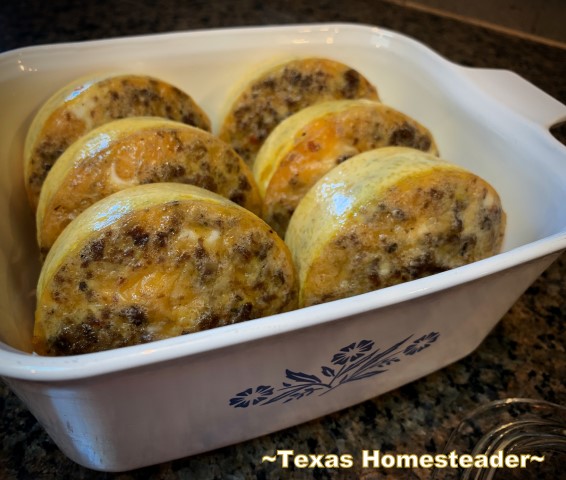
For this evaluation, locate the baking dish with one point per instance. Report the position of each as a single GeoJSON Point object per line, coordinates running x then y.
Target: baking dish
{"type": "Point", "coordinates": [146, 404]}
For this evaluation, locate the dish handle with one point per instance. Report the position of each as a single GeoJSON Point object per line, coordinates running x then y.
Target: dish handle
{"type": "Point", "coordinates": [518, 94]}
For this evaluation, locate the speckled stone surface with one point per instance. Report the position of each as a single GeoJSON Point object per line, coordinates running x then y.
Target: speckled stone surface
{"type": "Point", "coordinates": [524, 356]}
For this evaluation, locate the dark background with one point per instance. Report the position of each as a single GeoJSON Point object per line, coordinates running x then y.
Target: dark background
{"type": "Point", "coordinates": [524, 356]}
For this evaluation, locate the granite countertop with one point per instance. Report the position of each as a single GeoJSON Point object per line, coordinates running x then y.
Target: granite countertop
{"type": "Point", "coordinates": [524, 356]}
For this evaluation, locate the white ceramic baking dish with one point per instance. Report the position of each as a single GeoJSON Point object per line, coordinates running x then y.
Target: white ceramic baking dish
{"type": "Point", "coordinates": [141, 405]}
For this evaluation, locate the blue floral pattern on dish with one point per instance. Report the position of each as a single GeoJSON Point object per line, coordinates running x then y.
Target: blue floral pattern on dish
{"type": "Point", "coordinates": [355, 361]}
